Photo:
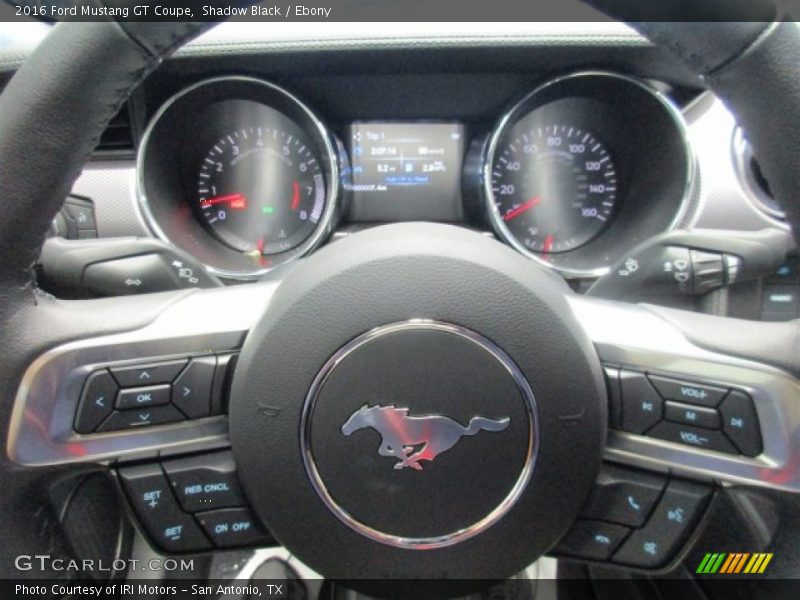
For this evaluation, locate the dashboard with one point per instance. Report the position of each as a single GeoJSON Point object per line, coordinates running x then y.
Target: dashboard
{"type": "Point", "coordinates": [247, 156]}
{"type": "Point", "coordinates": [571, 143]}
{"type": "Point", "coordinates": [242, 173]}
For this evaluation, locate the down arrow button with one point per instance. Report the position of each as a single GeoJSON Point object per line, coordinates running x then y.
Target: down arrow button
{"type": "Point", "coordinates": [191, 391]}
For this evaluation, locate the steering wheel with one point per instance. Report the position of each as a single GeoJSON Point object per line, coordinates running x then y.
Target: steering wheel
{"type": "Point", "coordinates": [485, 460]}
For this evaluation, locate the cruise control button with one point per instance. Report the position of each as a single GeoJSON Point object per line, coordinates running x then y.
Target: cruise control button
{"type": "Point", "coordinates": [128, 419]}
{"type": "Point", "coordinates": [152, 500]}
{"type": "Point", "coordinates": [205, 482]}
{"type": "Point", "coordinates": [740, 423]}
{"type": "Point", "coordinates": [623, 496]}
{"type": "Point", "coordinates": [150, 374]}
{"type": "Point", "coordinates": [592, 540]}
{"type": "Point", "coordinates": [692, 393]}
{"type": "Point", "coordinates": [692, 415]}
{"type": "Point", "coordinates": [233, 527]}
{"type": "Point", "coordinates": [698, 437]}
{"type": "Point", "coordinates": [191, 391]}
{"type": "Point", "coordinates": [154, 395]}
{"type": "Point", "coordinates": [97, 401]}
{"type": "Point", "coordinates": [672, 521]}
{"type": "Point", "coordinates": [641, 405]}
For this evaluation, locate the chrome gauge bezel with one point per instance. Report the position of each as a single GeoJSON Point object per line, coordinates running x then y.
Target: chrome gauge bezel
{"type": "Point", "coordinates": [329, 158]}
{"type": "Point", "coordinates": [529, 103]}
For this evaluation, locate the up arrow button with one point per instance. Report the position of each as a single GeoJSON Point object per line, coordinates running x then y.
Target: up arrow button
{"type": "Point", "coordinates": [148, 374]}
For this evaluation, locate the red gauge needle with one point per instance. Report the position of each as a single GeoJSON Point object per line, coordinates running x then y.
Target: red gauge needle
{"type": "Point", "coordinates": [548, 244]}
{"type": "Point", "coordinates": [237, 201]}
{"type": "Point", "coordinates": [512, 214]}
{"type": "Point", "coordinates": [295, 195]}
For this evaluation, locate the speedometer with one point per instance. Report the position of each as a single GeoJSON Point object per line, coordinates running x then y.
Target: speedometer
{"type": "Point", "coordinates": [260, 189]}
{"type": "Point", "coordinates": [554, 187]}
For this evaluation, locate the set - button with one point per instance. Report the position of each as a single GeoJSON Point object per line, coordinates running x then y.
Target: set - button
{"type": "Point", "coordinates": [693, 414]}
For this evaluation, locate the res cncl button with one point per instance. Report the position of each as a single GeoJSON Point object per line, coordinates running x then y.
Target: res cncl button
{"type": "Point", "coordinates": [205, 482]}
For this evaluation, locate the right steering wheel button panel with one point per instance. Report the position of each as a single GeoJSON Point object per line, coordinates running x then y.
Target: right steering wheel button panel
{"type": "Point", "coordinates": [690, 413]}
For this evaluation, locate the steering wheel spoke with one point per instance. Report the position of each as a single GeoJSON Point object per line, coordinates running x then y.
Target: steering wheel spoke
{"type": "Point", "coordinates": [698, 412]}
{"type": "Point", "coordinates": [154, 389]}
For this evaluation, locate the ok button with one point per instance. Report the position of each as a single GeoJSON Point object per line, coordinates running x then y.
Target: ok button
{"type": "Point", "coordinates": [142, 397]}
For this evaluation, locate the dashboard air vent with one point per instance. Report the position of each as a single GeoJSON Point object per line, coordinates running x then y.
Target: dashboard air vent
{"type": "Point", "coordinates": [118, 139]}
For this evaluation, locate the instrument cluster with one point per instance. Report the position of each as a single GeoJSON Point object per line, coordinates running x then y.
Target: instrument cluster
{"type": "Point", "coordinates": [245, 176]}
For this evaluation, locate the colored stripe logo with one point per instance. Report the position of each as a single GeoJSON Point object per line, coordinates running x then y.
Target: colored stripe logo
{"type": "Point", "coordinates": [733, 563]}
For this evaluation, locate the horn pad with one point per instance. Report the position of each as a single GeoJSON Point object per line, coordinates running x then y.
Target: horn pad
{"type": "Point", "coordinates": [434, 410]}
{"type": "Point", "coordinates": [440, 399]}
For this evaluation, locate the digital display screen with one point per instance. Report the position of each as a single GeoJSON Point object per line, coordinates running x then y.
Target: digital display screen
{"type": "Point", "coordinates": [406, 171]}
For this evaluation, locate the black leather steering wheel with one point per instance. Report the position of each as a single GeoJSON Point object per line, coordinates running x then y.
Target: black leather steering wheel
{"type": "Point", "coordinates": [59, 103]}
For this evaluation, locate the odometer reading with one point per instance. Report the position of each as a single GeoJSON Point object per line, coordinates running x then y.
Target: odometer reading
{"type": "Point", "coordinates": [554, 187]}
{"type": "Point", "coordinates": [261, 190]}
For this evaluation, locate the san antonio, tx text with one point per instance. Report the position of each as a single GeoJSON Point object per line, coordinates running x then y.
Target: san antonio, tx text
{"type": "Point", "coordinates": [62, 590]}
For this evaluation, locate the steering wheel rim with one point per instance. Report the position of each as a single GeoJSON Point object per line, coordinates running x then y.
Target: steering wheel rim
{"type": "Point", "coordinates": [47, 105]}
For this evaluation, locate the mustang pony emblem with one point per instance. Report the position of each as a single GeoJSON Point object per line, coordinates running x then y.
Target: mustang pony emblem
{"type": "Point", "coordinates": [413, 439]}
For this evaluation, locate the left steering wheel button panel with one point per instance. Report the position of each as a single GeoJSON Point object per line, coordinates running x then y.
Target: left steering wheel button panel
{"type": "Point", "coordinates": [169, 527]}
{"type": "Point", "coordinates": [97, 401]}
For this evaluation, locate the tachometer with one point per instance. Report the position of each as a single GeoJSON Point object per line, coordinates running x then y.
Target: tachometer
{"type": "Point", "coordinates": [554, 187]}
{"type": "Point", "coordinates": [260, 190]}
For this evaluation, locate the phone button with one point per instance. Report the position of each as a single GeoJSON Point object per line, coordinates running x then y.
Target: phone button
{"type": "Point", "coordinates": [623, 496]}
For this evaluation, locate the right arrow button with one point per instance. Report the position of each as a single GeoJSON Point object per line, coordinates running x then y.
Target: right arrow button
{"type": "Point", "coordinates": [191, 391]}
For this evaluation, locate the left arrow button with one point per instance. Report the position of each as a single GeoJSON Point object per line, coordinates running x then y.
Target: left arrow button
{"type": "Point", "coordinates": [97, 401]}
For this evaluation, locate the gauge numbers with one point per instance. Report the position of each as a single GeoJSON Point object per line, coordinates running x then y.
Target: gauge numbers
{"type": "Point", "coordinates": [260, 190]}
{"type": "Point", "coordinates": [554, 187]}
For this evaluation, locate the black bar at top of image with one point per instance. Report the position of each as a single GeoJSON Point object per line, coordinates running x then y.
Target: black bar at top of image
{"type": "Point", "coordinates": [398, 10]}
